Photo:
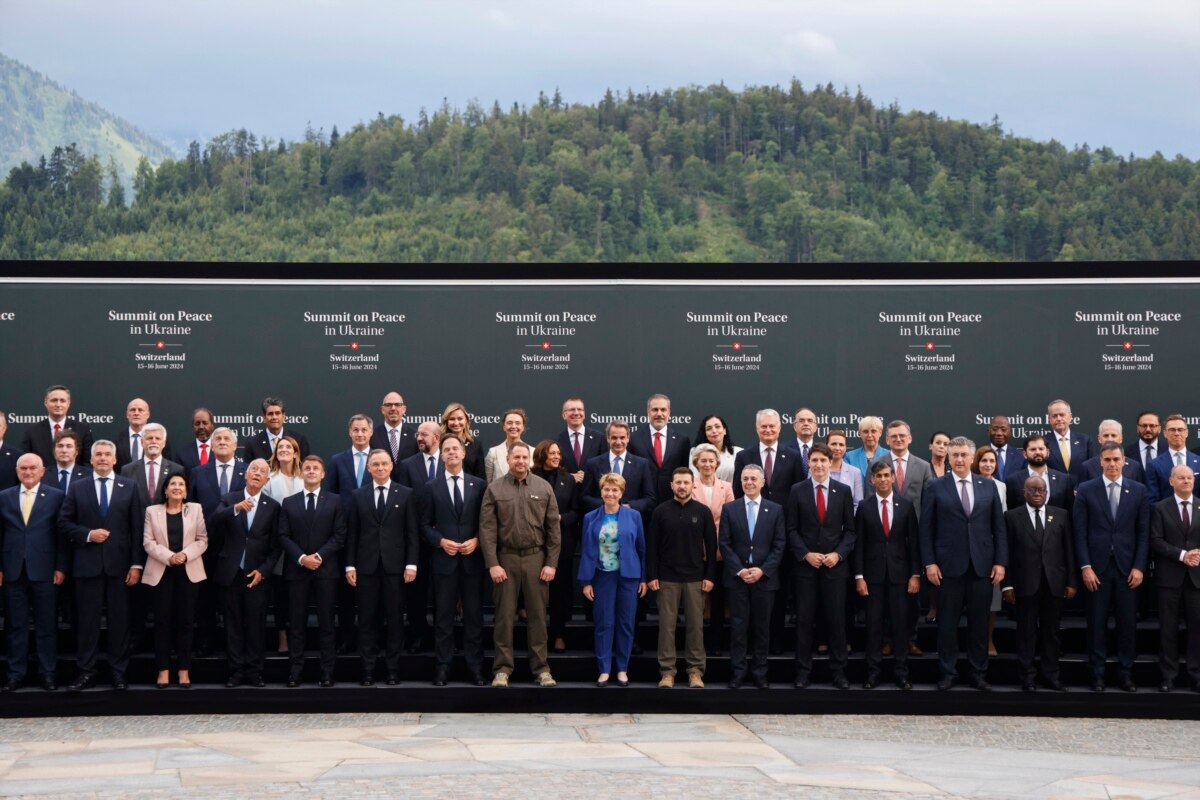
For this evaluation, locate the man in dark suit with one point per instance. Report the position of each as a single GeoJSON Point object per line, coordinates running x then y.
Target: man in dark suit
{"type": "Point", "coordinates": [103, 520]}
{"type": "Point", "coordinates": [1041, 573]}
{"type": "Point", "coordinates": [664, 448]}
{"type": "Point", "coordinates": [8, 458]}
{"type": "Point", "coordinates": [1110, 431]}
{"type": "Point", "coordinates": [752, 538]}
{"type": "Point", "coordinates": [805, 426]}
{"type": "Point", "coordinates": [1175, 542]}
{"type": "Point", "coordinates": [39, 437]}
{"type": "Point", "coordinates": [130, 446]}
{"type": "Point", "coordinates": [65, 471]}
{"type": "Point", "coordinates": [820, 532]}
{"type": "Point", "coordinates": [33, 565]}
{"type": "Point", "coordinates": [639, 485]}
{"type": "Point", "coordinates": [1158, 476]}
{"type": "Point", "coordinates": [312, 532]}
{"type": "Point", "coordinates": [153, 466]}
{"type": "Point", "coordinates": [964, 546]}
{"type": "Point", "coordinates": [578, 444]}
{"type": "Point", "coordinates": [249, 524]}
{"type": "Point", "coordinates": [425, 464]}
{"type": "Point", "coordinates": [262, 445]}
{"type": "Point", "coordinates": [1068, 448]}
{"type": "Point", "coordinates": [1111, 519]}
{"type": "Point", "coordinates": [395, 435]}
{"type": "Point", "coordinates": [348, 472]}
{"type": "Point", "coordinates": [887, 568]}
{"type": "Point", "coordinates": [1150, 443]}
{"type": "Point", "coordinates": [1008, 458]}
{"type": "Point", "coordinates": [1059, 485]}
{"type": "Point", "coordinates": [415, 472]}
{"type": "Point", "coordinates": [197, 451]}
{"type": "Point", "coordinates": [381, 556]}
{"type": "Point", "coordinates": [779, 464]}
{"type": "Point", "coordinates": [449, 509]}
{"type": "Point", "coordinates": [209, 483]}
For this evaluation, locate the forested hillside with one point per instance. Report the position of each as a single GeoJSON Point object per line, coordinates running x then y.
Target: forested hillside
{"type": "Point", "coordinates": [767, 174]}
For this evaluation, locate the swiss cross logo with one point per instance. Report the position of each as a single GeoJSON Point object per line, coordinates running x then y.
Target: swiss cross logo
{"type": "Point", "coordinates": [545, 345]}
{"type": "Point", "coordinates": [354, 345]}
{"type": "Point", "coordinates": [737, 345]}
{"type": "Point", "coordinates": [160, 344]}
{"type": "Point", "coordinates": [929, 345]}
{"type": "Point", "coordinates": [1128, 345]}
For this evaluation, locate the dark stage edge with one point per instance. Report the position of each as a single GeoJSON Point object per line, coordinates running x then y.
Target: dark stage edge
{"type": "Point", "coordinates": [566, 698]}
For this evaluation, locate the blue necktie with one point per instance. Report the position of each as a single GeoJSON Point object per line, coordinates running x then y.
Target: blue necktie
{"type": "Point", "coordinates": [62, 479]}
{"type": "Point", "coordinates": [431, 471]}
{"type": "Point", "coordinates": [358, 471]}
{"type": "Point", "coordinates": [1000, 452]}
{"type": "Point", "coordinates": [224, 483]}
{"type": "Point", "coordinates": [617, 465]}
{"type": "Point", "coordinates": [751, 519]}
{"type": "Point", "coordinates": [104, 497]}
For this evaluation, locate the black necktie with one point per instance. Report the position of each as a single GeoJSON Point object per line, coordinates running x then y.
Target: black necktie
{"type": "Point", "coordinates": [1038, 527]}
{"type": "Point", "coordinates": [312, 502]}
{"type": "Point", "coordinates": [379, 505]}
{"type": "Point", "coordinates": [458, 501]}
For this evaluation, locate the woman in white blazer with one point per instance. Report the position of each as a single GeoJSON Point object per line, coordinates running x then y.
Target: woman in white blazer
{"type": "Point", "coordinates": [495, 463]}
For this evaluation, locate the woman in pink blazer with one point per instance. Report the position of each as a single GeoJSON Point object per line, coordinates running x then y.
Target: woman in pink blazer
{"type": "Point", "coordinates": [174, 539]}
{"type": "Point", "coordinates": [714, 493]}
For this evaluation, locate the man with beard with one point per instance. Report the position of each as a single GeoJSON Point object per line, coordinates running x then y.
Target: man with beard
{"type": "Point", "coordinates": [1037, 456]}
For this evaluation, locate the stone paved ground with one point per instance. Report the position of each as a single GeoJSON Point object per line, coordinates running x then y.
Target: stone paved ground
{"type": "Point", "coordinates": [549, 756]}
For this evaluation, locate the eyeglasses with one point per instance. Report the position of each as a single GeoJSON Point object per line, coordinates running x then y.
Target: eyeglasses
{"type": "Point", "coordinates": [392, 405]}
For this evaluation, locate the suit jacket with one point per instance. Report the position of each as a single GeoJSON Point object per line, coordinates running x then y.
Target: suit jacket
{"type": "Point", "coordinates": [567, 493]}
{"type": "Point", "coordinates": [765, 551]}
{"type": "Point", "coordinates": [440, 521]}
{"type": "Point", "coordinates": [342, 478]}
{"type": "Point", "coordinates": [639, 485]}
{"type": "Point", "coordinates": [386, 543]}
{"type": "Point", "coordinates": [1158, 479]}
{"type": "Point", "coordinates": [784, 473]}
{"type": "Point", "coordinates": [722, 494]}
{"type": "Point", "coordinates": [676, 448]}
{"type": "Point", "coordinates": [125, 523]}
{"type": "Point", "coordinates": [951, 539]}
{"type": "Point", "coordinates": [407, 447]}
{"type": "Point", "coordinates": [188, 455]}
{"type": "Point", "coordinates": [1059, 489]}
{"type": "Point", "coordinates": [1132, 469]}
{"type": "Point", "coordinates": [472, 460]}
{"type": "Point", "coordinates": [8, 465]}
{"type": "Point", "coordinates": [592, 444]}
{"type": "Point", "coordinates": [1133, 450]}
{"type": "Point", "coordinates": [157, 543]}
{"type": "Point", "coordinates": [206, 488]}
{"type": "Point", "coordinates": [32, 548]}
{"type": "Point", "coordinates": [322, 532]}
{"type": "Point", "coordinates": [886, 559]}
{"type": "Point", "coordinates": [50, 479]}
{"type": "Point", "coordinates": [414, 471]}
{"type": "Point", "coordinates": [807, 534]}
{"type": "Point", "coordinates": [1100, 539]}
{"type": "Point", "coordinates": [258, 543]}
{"type": "Point", "coordinates": [1168, 540]}
{"type": "Point", "coordinates": [124, 457]}
{"type": "Point", "coordinates": [631, 537]}
{"type": "Point", "coordinates": [1014, 460]}
{"type": "Point", "coordinates": [802, 467]}
{"type": "Point", "coordinates": [39, 439]}
{"type": "Point", "coordinates": [1031, 556]}
{"type": "Point", "coordinates": [917, 476]}
{"type": "Point", "coordinates": [260, 445]}
{"type": "Point", "coordinates": [1082, 448]}
{"type": "Point", "coordinates": [136, 472]}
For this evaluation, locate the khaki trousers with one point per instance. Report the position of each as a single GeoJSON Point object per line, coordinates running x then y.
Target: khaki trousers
{"type": "Point", "coordinates": [669, 596]}
{"type": "Point", "coordinates": [523, 572]}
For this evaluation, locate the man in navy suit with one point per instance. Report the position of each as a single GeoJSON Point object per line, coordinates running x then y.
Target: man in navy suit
{"type": "Point", "coordinates": [381, 556]}
{"type": "Point", "coordinates": [805, 426]}
{"type": "Point", "coordinates": [964, 546]}
{"type": "Point", "coordinates": [1058, 484]}
{"type": "Point", "coordinates": [8, 458]}
{"type": "Point", "coordinates": [577, 443]}
{"type": "Point", "coordinates": [65, 471]}
{"type": "Point", "coordinates": [1150, 443]}
{"type": "Point", "coordinates": [39, 437]}
{"type": "Point", "coordinates": [395, 435]}
{"type": "Point", "coordinates": [752, 538]}
{"type": "Point", "coordinates": [1158, 477]}
{"type": "Point", "coordinates": [1068, 448]}
{"type": "Point", "coordinates": [312, 532]}
{"type": "Point", "coordinates": [1175, 542]}
{"type": "Point", "coordinates": [820, 532]}
{"type": "Point", "coordinates": [348, 472]}
{"type": "Point", "coordinates": [780, 465]}
{"type": "Point", "coordinates": [664, 448]}
{"type": "Point", "coordinates": [639, 485]}
{"type": "Point", "coordinates": [1111, 519]}
{"type": "Point", "coordinates": [1110, 431]}
{"type": "Point", "coordinates": [197, 451]}
{"type": "Point", "coordinates": [425, 464]}
{"type": "Point", "coordinates": [34, 564]}
{"type": "Point", "coordinates": [103, 520]}
{"type": "Point", "coordinates": [249, 524]}
{"type": "Point", "coordinates": [415, 472]}
{"type": "Point", "coordinates": [887, 569]}
{"type": "Point", "coordinates": [449, 508]}
{"type": "Point", "coordinates": [1008, 458]}
{"type": "Point", "coordinates": [262, 445]}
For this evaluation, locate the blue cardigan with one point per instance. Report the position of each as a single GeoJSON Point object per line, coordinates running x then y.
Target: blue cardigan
{"type": "Point", "coordinates": [631, 538]}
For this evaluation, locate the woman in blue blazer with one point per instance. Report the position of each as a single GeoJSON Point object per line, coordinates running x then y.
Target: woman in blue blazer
{"type": "Point", "coordinates": [612, 569]}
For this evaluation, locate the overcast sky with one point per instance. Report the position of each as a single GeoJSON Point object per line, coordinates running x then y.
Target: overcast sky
{"type": "Point", "coordinates": [1122, 73]}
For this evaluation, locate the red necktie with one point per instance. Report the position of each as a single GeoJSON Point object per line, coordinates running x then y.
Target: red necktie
{"type": "Point", "coordinates": [57, 428]}
{"type": "Point", "coordinates": [900, 475]}
{"type": "Point", "coordinates": [203, 453]}
{"type": "Point", "coordinates": [821, 503]}
{"type": "Point", "coordinates": [658, 447]}
{"type": "Point", "coordinates": [883, 514]}
{"type": "Point", "coordinates": [578, 452]}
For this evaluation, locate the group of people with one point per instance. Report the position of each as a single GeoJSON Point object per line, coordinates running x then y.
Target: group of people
{"type": "Point", "coordinates": [408, 512]}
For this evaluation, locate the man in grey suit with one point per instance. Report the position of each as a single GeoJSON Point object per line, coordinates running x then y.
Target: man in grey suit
{"type": "Point", "coordinates": [150, 472]}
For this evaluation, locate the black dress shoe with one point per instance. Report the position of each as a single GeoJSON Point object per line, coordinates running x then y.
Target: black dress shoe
{"type": "Point", "coordinates": [185, 684]}
{"type": "Point", "coordinates": [393, 679]}
{"type": "Point", "coordinates": [1165, 686]}
{"type": "Point", "coordinates": [48, 683]}
{"type": "Point", "coordinates": [119, 684]}
{"type": "Point", "coordinates": [1097, 685]}
{"type": "Point", "coordinates": [904, 685]}
{"type": "Point", "coordinates": [762, 683]}
{"type": "Point", "coordinates": [1126, 683]}
{"type": "Point", "coordinates": [802, 683]}
{"type": "Point", "coordinates": [293, 681]}
{"type": "Point", "coordinates": [602, 684]}
{"type": "Point", "coordinates": [234, 680]}
{"type": "Point", "coordinates": [735, 683]}
{"type": "Point", "coordinates": [622, 683]}
{"type": "Point", "coordinates": [979, 682]}
{"type": "Point", "coordinates": [945, 684]}
{"type": "Point", "coordinates": [840, 682]}
{"type": "Point", "coordinates": [871, 682]}
{"type": "Point", "coordinates": [440, 677]}
{"type": "Point", "coordinates": [257, 682]}
{"type": "Point", "coordinates": [476, 679]}
{"type": "Point", "coordinates": [12, 685]}
{"type": "Point", "coordinates": [326, 682]}
{"type": "Point", "coordinates": [82, 682]}
{"type": "Point", "coordinates": [1028, 686]}
{"type": "Point", "coordinates": [1055, 684]}
{"type": "Point", "coordinates": [367, 680]}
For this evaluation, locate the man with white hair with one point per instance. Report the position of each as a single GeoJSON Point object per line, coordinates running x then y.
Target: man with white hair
{"type": "Point", "coordinates": [1110, 431]}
